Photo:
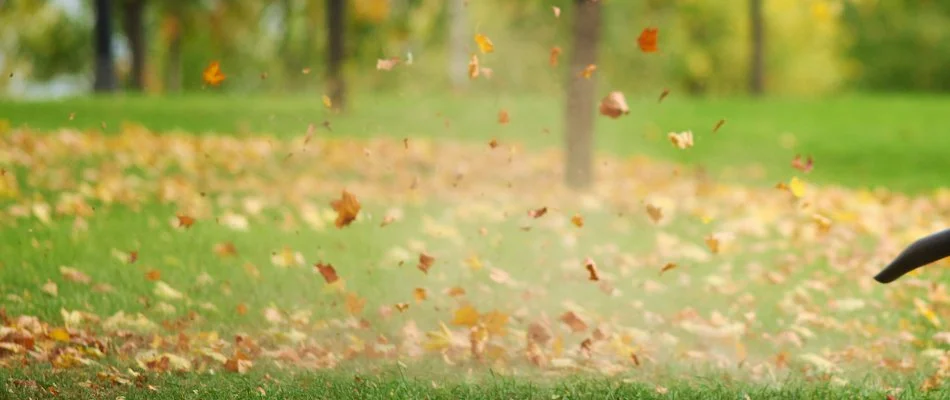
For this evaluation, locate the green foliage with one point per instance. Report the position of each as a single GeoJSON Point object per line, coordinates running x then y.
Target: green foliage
{"type": "Point", "coordinates": [900, 44]}
{"type": "Point", "coordinates": [42, 40]}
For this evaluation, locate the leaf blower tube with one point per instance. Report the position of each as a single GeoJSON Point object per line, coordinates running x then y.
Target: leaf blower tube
{"type": "Point", "coordinates": [922, 252]}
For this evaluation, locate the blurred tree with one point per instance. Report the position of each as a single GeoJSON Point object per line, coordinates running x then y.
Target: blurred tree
{"type": "Point", "coordinates": [579, 115]}
{"type": "Point", "coordinates": [39, 41]}
{"type": "Point", "coordinates": [336, 23]}
{"type": "Point", "coordinates": [104, 78]}
{"type": "Point", "coordinates": [757, 52]}
{"type": "Point", "coordinates": [133, 13]}
{"type": "Point", "coordinates": [458, 44]}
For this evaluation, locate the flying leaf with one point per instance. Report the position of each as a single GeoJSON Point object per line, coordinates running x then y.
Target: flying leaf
{"type": "Point", "coordinates": [484, 43]}
{"type": "Point", "coordinates": [823, 223]}
{"type": "Point", "coordinates": [473, 69]}
{"type": "Point", "coordinates": [712, 242]}
{"type": "Point", "coordinates": [655, 213]}
{"type": "Point", "coordinates": [493, 143]}
{"type": "Point", "coordinates": [59, 334]}
{"type": "Point", "coordinates": [804, 166]}
{"type": "Point", "coordinates": [796, 186]}
{"type": "Point", "coordinates": [50, 288]}
{"type": "Point", "coordinates": [577, 220]}
{"type": "Point", "coordinates": [386, 64]}
{"type": "Point", "coordinates": [425, 262]}
{"type": "Point", "coordinates": [133, 256]}
{"type": "Point", "coordinates": [667, 267]}
{"type": "Point", "coordinates": [327, 102]}
{"type": "Point", "coordinates": [465, 316]}
{"type": "Point", "coordinates": [225, 249]}
{"type": "Point", "coordinates": [666, 92]}
{"type": "Point", "coordinates": [212, 74]}
{"type": "Point", "coordinates": [682, 140]}
{"type": "Point", "coordinates": [355, 304]}
{"type": "Point", "coordinates": [647, 40]}
{"type": "Point", "coordinates": [185, 221]}
{"type": "Point", "coordinates": [718, 125]}
{"type": "Point", "coordinates": [555, 54]}
{"type": "Point", "coordinates": [588, 71]}
{"type": "Point", "coordinates": [614, 105]}
{"type": "Point", "coordinates": [503, 117]}
{"type": "Point", "coordinates": [538, 213]}
{"type": "Point", "coordinates": [591, 267]}
{"type": "Point", "coordinates": [163, 290]}
{"type": "Point", "coordinates": [347, 208]}
{"type": "Point", "coordinates": [328, 272]}
{"type": "Point", "coordinates": [574, 322]}
{"type": "Point", "coordinates": [419, 294]}
{"type": "Point", "coordinates": [557, 12]}
{"type": "Point", "coordinates": [402, 307]}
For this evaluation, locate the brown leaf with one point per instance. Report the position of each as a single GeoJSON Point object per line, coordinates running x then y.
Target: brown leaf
{"type": "Point", "coordinates": [153, 275]}
{"type": "Point", "coordinates": [355, 304]}
{"type": "Point", "coordinates": [655, 213]}
{"type": "Point", "coordinates": [588, 71]}
{"type": "Point", "coordinates": [539, 333]}
{"type": "Point", "coordinates": [574, 322]}
{"type": "Point", "coordinates": [133, 256]}
{"type": "Point", "coordinates": [185, 221]}
{"type": "Point", "coordinates": [241, 309]}
{"type": "Point", "coordinates": [225, 249]}
{"type": "Point", "coordinates": [538, 213]}
{"type": "Point", "coordinates": [347, 208]}
{"type": "Point", "coordinates": [402, 307]}
{"type": "Point", "coordinates": [647, 40]}
{"type": "Point", "coordinates": [555, 54]}
{"type": "Point", "coordinates": [805, 166]}
{"type": "Point", "coordinates": [74, 275]}
{"type": "Point", "coordinates": [712, 241]}
{"type": "Point", "coordinates": [328, 272]}
{"type": "Point", "coordinates": [419, 294]}
{"type": "Point", "coordinates": [666, 92]}
{"type": "Point", "coordinates": [591, 267]}
{"type": "Point", "coordinates": [503, 117]}
{"type": "Point", "coordinates": [614, 105]}
{"type": "Point", "coordinates": [493, 143]}
{"type": "Point", "coordinates": [577, 220]}
{"type": "Point", "coordinates": [425, 262]}
{"type": "Point", "coordinates": [667, 267]}
{"type": "Point", "coordinates": [718, 125]}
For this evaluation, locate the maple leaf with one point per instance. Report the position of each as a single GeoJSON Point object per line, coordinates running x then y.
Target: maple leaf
{"type": "Point", "coordinates": [465, 316]}
{"type": "Point", "coordinates": [503, 117]}
{"type": "Point", "coordinates": [555, 54]}
{"type": "Point", "coordinates": [347, 208]}
{"type": "Point", "coordinates": [719, 125]}
{"type": "Point", "coordinates": [485, 44]}
{"type": "Point", "coordinates": [655, 213]}
{"type": "Point", "coordinates": [591, 267]}
{"type": "Point", "coordinates": [577, 220]}
{"type": "Point", "coordinates": [425, 262]}
{"type": "Point", "coordinates": [473, 69]}
{"type": "Point", "coordinates": [588, 71]}
{"type": "Point", "coordinates": [538, 213]}
{"type": "Point", "coordinates": [614, 105]}
{"type": "Point", "coordinates": [212, 74]}
{"type": "Point", "coordinates": [682, 140]}
{"type": "Point", "coordinates": [647, 40]}
{"type": "Point", "coordinates": [328, 272]}
{"type": "Point", "coordinates": [805, 166]}
{"type": "Point", "coordinates": [574, 322]}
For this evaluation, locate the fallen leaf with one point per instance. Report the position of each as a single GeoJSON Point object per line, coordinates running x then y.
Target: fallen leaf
{"type": "Point", "coordinates": [655, 213]}
{"type": "Point", "coordinates": [153, 275]}
{"type": "Point", "coordinates": [347, 208]}
{"type": "Point", "coordinates": [163, 290]}
{"type": "Point", "coordinates": [485, 44]}
{"type": "Point", "coordinates": [647, 40]}
{"type": "Point", "coordinates": [328, 272]}
{"type": "Point", "coordinates": [574, 322]}
{"type": "Point", "coordinates": [538, 213]}
{"type": "Point", "coordinates": [50, 288]}
{"type": "Point", "coordinates": [555, 55]}
{"type": "Point", "coordinates": [503, 117]}
{"type": "Point", "coordinates": [591, 267]}
{"type": "Point", "coordinates": [185, 221]}
{"type": "Point", "coordinates": [718, 125]}
{"type": "Point", "coordinates": [805, 166]}
{"type": "Point", "coordinates": [588, 71]}
{"type": "Point", "coordinates": [74, 275]}
{"type": "Point", "coordinates": [614, 105]}
{"type": "Point", "coordinates": [712, 242]}
{"type": "Point", "coordinates": [402, 307]}
{"type": "Point", "coordinates": [425, 262]}
{"type": "Point", "coordinates": [682, 140]}
{"type": "Point", "coordinates": [59, 334]}
{"type": "Point", "coordinates": [212, 74]}
{"type": "Point", "coordinates": [493, 143]}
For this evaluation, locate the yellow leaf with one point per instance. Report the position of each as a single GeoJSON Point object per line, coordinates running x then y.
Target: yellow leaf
{"type": "Point", "coordinates": [473, 262]}
{"type": "Point", "coordinates": [466, 316]}
{"type": "Point", "coordinates": [927, 312]}
{"type": "Point", "coordinates": [484, 43]}
{"type": "Point", "coordinates": [495, 322]}
{"type": "Point", "coordinates": [59, 334]}
{"type": "Point", "coordinates": [327, 102]}
{"type": "Point", "coordinates": [796, 186]}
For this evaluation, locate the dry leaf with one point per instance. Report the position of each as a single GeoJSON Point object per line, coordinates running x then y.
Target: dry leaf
{"type": "Point", "coordinates": [328, 272]}
{"type": "Point", "coordinates": [538, 213]}
{"type": "Point", "coordinates": [473, 68]}
{"type": "Point", "coordinates": [493, 143]}
{"type": "Point", "coordinates": [647, 40]}
{"type": "Point", "coordinates": [484, 43]}
{"type": "Point", "coordinates": [577, 220]}
{"type": "Point", "coordinates": [591, 269]}
{"type": "Point", "coordinates": [557, 12]}
{"type": "Point", "coordinates": [718, 125]}
{"type": "Point", "coordinates": [153, 275]}
{"type": "Point", "coordinates": [682, 140]}
{"type": "Point", "coordinates": [805, 166]}
{"type": "Point", "coordinates": [327, 102]}
{"type": "Point", "coordinates": [185, 221]}
{"type": "Point", "coordinates": [386, 64]}
{"type": "Point", "coordinates": [614, 105]}
{"type": "Point", "coordinates": [50, 288]}
{"type": "Point", "coordinates": [425, 262]}
{"type": "Point", "coordinates": [225, 249]}
{"type": "Point", "coordinates": [655, 213]}
{"type": "Point", "coordinates": [74, 275]}
{"type": "Point", "coordinates": [402, 307]}
{"type": "Point", "coordinates": [465, 316]}
{"type": "Point", "coordinates": [712, 242]}
{"type": "Point", "coordinates": [555, 54]}
{"type": "Point", "coordinates": [588, 71]}
{"type": "Point", "coordinates": [212, 74]}
{"type": "Point", "coordinates": [503, 117]}
{"type": "Point", "coordinates": [419, 294]}
{"type": "Point", "coordinates": [574, 322]}
{"type": "Point", "coordinates": [666, 92]}
{"type": "Point", "coordinates": [667, 267]}
{"type": "Point", "coordinates": [347, 208]}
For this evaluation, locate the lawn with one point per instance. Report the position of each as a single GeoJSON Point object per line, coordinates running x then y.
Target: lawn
{"type": "Point", "coordinates": [170, 245]}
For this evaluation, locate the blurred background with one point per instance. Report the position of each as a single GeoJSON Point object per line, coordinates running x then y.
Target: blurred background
{"type": "Point", "coordinates": [707, 47]}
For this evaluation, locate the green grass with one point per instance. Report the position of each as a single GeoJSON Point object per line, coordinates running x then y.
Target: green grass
{"type": "Point", "coordinates": [859, 141]}
{"type": "Point", "coordinates": [856, 141]}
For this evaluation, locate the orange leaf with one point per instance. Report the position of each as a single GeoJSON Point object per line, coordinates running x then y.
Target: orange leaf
{"type": "Point", "coordinates": [153, 275]}
{"type": "Point", "coordinates": [420, 294]}
{"type": "Point", "coordinates": [133, 256]}
{"type": "Point", "coordinates": [185, 221]}
{"type": "Point", "coordinates": [225, 249]}
{"type": "Point", "coordinates": [614, 105]}
{"type": "Point", "coordinates": [555, 53]}
{"type": "Point", "coordinates": [655, 213]}
{"type": "Point", "coordinates": [212, 74]}
{"type": "Point", "coordinates": [591, 267]}
{"type": "Point", "coordinates": [577, 220]}
{"type": "Point", "coordinates": [574, 322]}
{"type": "Point", "coordinates": [588, 71]}
{"type": "Point", "coordinates": [473, 67]}
{"type": "Point", "coordinates": [328, 272]}
{"type": "Point", "coordinates": [503, 117]}
{"type": "Point", "coordinates": [485, 44]}
{"type": "Point", "coordinates": [493, 143]}
{"type": "Point", "coordinates": [465, 316]}
{"type": "Point", "coordinates": [347, 207]}
{"type": "Point", "coordinates": [402, 307]}
{"type": "Point", "coordinates": [241, 309]}
{"type": "Point", "coordinates": [805, 166]}
{"type": "Point", "coordinates": [354, 304]}
{"type": "Point", "coordinates": [713, 243]}
{"type": "Point", "coordinates": [538, 213]}
{"type": "Point", "coordinates": [425, 262]}
{"type": "Point", "coordinates": [455, 291]}
{"type": "Point", "coordinates": [647, 40]}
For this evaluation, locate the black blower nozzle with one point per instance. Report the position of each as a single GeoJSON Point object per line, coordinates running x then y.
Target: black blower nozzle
{"type": "Point", "coordinates": [920, 253]}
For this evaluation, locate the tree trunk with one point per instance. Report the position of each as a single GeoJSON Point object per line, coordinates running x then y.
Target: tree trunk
{"type": "Point", "coordinates": [291, 66]}
{"type": "Point", "coordinates": [757, 53]}
{"type": "Point", "coordinates": [173, 78]}
{"type": "Point", "coordinates": [458, 36]}
{"type": "Point", "coordinates": [104, 79]}
{"type": "Point", "coordinates": [134, 11]}
{"type": "Point", "coordinates": [336, 23]}
{"type": "Point", "coordinates": [581, 99]}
